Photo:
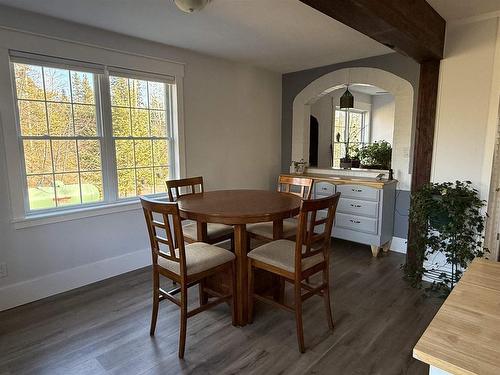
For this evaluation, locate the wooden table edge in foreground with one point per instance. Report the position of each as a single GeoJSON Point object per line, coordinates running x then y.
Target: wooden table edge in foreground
{"type": "Point", "coordinates": [240, 234]}
{"type": "Point", "coordinates": [464, 336]}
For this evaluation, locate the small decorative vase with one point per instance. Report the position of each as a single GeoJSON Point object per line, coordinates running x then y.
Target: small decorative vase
{"type": "Point", "coordinates": [301, 167]}
{"type": "Point", "coordinates": [298, 167]}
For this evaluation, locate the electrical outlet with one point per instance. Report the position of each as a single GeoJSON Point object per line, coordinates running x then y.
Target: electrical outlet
{"type": "Point", "coordinates": [3, 269]}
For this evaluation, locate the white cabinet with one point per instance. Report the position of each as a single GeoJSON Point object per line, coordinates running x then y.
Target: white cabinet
{"type": "Point", "coordinates": [359, 192]}
{"type": "Point", "coordinates": [356, 223]}
{"type": "Point", "coordinates": [358, 207]}
{"type": "Point", "coordinates": [365, 214]}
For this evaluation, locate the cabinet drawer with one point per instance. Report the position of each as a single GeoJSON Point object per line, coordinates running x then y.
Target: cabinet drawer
{"type": "Point", "coordinates": [358, 223]}
{"type": "Point", "coordinates": [358, 192]}
{"type": "Point", "coordinates": [324, 188]}
{"type": "Point", "coordinates": [358, 207]}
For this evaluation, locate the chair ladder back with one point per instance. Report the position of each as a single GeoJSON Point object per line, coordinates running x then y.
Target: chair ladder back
{"type": "Point", "coordinates": [169, 212]}
{"type": "Point", "coordinates": [308, 241]}
{"type": "Point", "coordinates": [285, 184]}
{"type": "Point", "coordinates": [184, 186]}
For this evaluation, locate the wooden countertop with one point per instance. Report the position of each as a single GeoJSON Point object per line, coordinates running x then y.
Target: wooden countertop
{"type": "Point", "coordinates": [464, 336]}
{"type": "Point", "coordinates": [344, 180]}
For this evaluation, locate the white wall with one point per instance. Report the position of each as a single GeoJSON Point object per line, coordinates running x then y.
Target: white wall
{"type": "Point", "coordinates": [469, 92]}
{"type": "Point", "coordinates": [382, 127]}
{"type": "Point", "coordinates": [322, 109]}
{"type": "Point", "coordinates": [232, 133]}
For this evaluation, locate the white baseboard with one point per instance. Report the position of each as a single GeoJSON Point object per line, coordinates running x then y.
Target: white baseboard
{"type": "Point", "coordinates": [398, 244]}
{"type": "Point", "coordinates": [48, 285]}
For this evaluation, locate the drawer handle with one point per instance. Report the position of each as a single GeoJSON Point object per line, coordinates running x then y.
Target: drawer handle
{"type": "Point", "coordinates": [357, 190]}
{"type": "Point", "coordinates": [355, 221]}
{"type": "Point", "coordinates": [324, 188]}
{"type": "Point", "coordinates": [356, 205]}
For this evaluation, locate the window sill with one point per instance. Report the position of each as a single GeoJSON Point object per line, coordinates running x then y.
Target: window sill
{"type": "Point", "coordinates": [75, 214]}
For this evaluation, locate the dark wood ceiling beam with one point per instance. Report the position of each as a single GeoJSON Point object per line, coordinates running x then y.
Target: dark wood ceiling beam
{"type": "Point", "coordinates": [410, 27]}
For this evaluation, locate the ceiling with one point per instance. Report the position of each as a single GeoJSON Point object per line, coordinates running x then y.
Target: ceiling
{"type": "Point", "coordinates": [362, 88]}
{"type": "Point", "coordinates": [368, 89]}
{"type": "Point", "coordinates": [280, 35]}
{"type": "Point", "coordinates": [456, 9]}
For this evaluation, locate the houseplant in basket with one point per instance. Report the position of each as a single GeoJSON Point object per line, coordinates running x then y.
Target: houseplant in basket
{"type": "Point", "coordinates": [448, 218]}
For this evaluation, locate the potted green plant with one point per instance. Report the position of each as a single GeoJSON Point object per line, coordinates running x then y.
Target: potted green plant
{"type": "Point", "coordinates": [355, 161]}
{"type": "Point", "coordinates": [376, 155]}
{"type": "Point", "coordinates": [346, 162]}
{"type": "Point", "coordinates": [448, 219]}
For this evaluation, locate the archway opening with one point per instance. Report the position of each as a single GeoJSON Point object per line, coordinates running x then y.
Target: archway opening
{"type": "Point", "coordinates": [401, 91]}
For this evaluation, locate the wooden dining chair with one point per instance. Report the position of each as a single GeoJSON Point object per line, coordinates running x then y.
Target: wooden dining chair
{"type": "Point", "coordinates": [300, 186]}
{"type": "Point", "coordinates": [215, 232]}
{"type": "Point", "coordinates": [186, 265]}
{"type": "Point", "coordinates": [296, 261]}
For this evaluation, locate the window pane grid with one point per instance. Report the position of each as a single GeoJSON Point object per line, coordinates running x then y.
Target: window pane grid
{"type": "Point", "coordinates": [54, 153]}
{"type": "Point", "coordinates": [143, 132]}
{"type": "Point", "coordinates": [135, 138]}
{"type": "Point", "coordinates": [53, 101]}
{"type": "Point", "coordinates": [74, 132]}
{"type": "Point", "coordinates": [62, 135]}
{"type": "Point", "coordinates": [354, 133]}
{"type": "Point", "coordinates": [132, 107]}
{"type": "Point", "coordinates": [59, 173]}
{"type": "Point", "coordinates": [50, 141]}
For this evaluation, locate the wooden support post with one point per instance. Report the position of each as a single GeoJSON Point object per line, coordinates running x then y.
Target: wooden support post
{"type": "Point", "coordinates": [424, 140]}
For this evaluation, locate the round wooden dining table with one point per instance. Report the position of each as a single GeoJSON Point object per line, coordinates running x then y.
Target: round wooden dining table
{"type": "Point", "coordinates": [239, 208]}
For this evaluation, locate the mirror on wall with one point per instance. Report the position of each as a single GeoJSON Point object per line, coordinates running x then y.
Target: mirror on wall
{"type": "Point", "coordinates": [361, 136]}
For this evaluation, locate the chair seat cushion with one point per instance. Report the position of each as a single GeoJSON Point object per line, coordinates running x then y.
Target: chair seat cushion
{"type": "Point", "coordinates": [200, 257]}
{"type": "Point", "coordinates": [213, 230]}
{"type": "Point", "coordinates": [266, 229]}
{"type": "Point", "coordinates": [281, 254]}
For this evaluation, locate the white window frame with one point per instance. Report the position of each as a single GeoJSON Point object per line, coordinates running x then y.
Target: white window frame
{"type": "Point", "coordinates": [366, 124]}
{"type": "Point", "coordinates": [19, 41]}
{"type": "Point", "coordinates": [53, 63]}
{"type": "Point", "coordinates": [110, 139]}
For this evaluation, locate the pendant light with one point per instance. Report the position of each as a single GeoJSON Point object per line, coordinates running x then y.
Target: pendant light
{"type": "Point", "coordinates": [347, 100]}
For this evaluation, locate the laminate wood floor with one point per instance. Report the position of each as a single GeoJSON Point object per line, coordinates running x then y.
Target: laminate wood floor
{"type": "Point", "coordinates": [103, 328]}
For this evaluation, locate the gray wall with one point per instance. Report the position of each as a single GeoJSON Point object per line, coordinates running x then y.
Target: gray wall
{"type": "Point", "coordinates": [293, 83]}
{"type": "Point", "coordinates": [401, 213]}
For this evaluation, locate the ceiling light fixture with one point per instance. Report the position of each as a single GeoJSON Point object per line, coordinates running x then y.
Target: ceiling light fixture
{"type": "Point", "coordinates": [190, 6]}
{"type": "Point", "coordinates": [346, 100]}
